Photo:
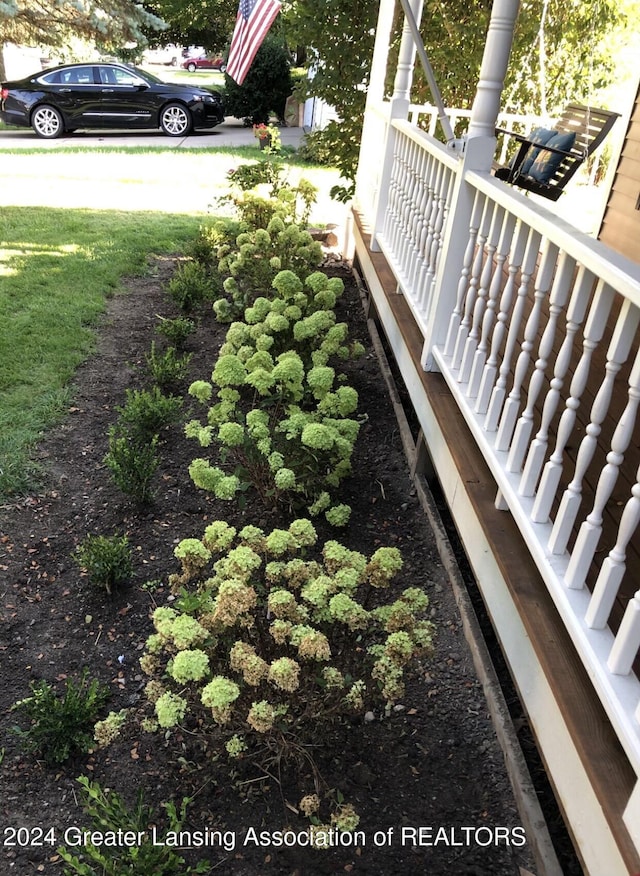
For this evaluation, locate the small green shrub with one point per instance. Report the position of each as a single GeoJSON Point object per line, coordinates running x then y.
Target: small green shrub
{"type": "Point", "coordinates": [147, 412]}
{"type": "Point", "coordinates": [316, 150]}
{"type": "Point", "coordinates": [264, 192]}
{"type": "Point", "coordinates": [132, 463]}
{"type": "Point", "coordinates": [167, 368]}
{"type": "Point", "coordinates": [107, 560]}
{"type": "Point", "coordinates": [220, 232]}
{"type": "Point", "coordinates": [267, 171]}
{"type": "Point", "coordinates": [109, 813]}
{"type": "Point", "coordinates": [190, 285]}
{"type": "Point", "coordinates": [61, 725]}
{"type": "Point", "coordinates": [176, 331]}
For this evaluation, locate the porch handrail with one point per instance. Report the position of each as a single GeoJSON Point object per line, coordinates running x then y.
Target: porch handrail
{"type": "Point", "coordinates": [527, 282]}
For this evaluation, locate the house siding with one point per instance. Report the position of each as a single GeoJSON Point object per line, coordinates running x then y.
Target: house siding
{"type": "Point", "coordinates": [620, 227]}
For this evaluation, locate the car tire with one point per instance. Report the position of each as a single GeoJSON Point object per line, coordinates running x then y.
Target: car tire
{"type": "Point", "coordinates": [47, 122]}
{"type": "Point", "coordinates": [176, 120]}
{"type": "Point", "coordinates": [223, 68]}
{"type": "Point", "coordinates": [192, 68]}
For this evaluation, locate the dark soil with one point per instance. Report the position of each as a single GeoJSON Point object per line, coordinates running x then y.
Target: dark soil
{"type": "Point", "coordinates": [433, 763]}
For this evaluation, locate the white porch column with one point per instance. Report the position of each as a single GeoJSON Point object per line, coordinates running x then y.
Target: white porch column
{"type": "Point", "coordinates": [369, 143]}
{"type": "Point", "coordinates": [495, 62]}
{"type": "Point", "coordinates": [478, 155]}
{"type": "Point", "coordinates": [399, 110]}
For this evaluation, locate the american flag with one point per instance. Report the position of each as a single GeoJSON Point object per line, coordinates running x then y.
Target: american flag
{"type": "Point", "coordinates": [255, 17]}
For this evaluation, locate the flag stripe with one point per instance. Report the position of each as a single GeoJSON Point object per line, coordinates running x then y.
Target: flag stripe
{"type": "Point", "coordinates": [252, 24]}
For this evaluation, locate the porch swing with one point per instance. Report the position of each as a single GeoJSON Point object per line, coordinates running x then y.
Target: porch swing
{"type": "Point", "coordinates": [548, 158]}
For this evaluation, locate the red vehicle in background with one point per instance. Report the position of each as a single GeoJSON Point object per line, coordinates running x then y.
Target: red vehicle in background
{"type": "Point", "coordinates": [205, 62]}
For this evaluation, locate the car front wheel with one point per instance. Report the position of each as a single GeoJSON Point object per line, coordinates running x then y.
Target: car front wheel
{"type": "Point", "coordinates": [175, 120]}
{"type": "Point", "coordinates": [47, 122]}
{"type": "Point", "coordinates": [223, 68]}
{"type": "Point", "coordinates": [192, 68]}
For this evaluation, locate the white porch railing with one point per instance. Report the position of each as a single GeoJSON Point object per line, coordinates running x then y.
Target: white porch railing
{"type": "Point", "coordinates": [518, 335]}
{"type": "Point", "coordinates": [425, 117]}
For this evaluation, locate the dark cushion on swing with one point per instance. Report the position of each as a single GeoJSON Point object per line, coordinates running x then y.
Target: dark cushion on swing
{"type": "Point", "coordinates": [546, 163]}
{"type": "Point", "coordinates": [538, 136]}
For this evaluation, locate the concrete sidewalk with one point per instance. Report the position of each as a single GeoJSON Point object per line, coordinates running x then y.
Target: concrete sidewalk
{"type": "Point", "coordinates": [233, 132]}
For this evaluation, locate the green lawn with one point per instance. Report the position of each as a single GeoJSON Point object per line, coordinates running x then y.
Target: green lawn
{"type": "Point", "coordinates": [159, 178]}
{"type": "Point", "coordinates": [73, 223]}
{"type": "Point", "coordinates": [57, 269]}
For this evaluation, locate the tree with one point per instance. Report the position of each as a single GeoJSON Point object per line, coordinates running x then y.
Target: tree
{"type": "Point", "coordinates": [196, 23]}
{"type": "Point", "coordinates": [577, 59]}
{"type": "Point", "coordinates": [340, 36]}
{"type": "Point", "coordinates": [111, 23]}
{"type": "Point", "coordinates": [562, 51]}
{"type": "Point", "coordinates": [266, 86]}
{"type": "Point", "coordinates": [52, 22]}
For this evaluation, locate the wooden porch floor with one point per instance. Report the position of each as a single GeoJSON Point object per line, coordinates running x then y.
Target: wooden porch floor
{"type": "Point", "coordinates": [597, 746]}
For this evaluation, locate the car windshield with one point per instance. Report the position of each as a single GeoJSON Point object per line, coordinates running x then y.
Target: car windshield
{"type": "Point", "coordinates": [144, 74]}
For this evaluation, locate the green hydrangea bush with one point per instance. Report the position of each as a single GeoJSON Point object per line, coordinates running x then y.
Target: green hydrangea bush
{"type": "Point", "coordinates": [269, 638]}
{"type": "Point", "coordinates": [293, 449]}
{"type": "Point", "coordinates": [294, 314]}
{"type": "Point", "coordinates": [283, 419]}
{"type": "Point", "coordinates": [249, 265]}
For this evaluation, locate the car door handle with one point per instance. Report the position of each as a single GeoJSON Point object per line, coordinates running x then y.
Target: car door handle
{"type": "Point", "coordinates": [65, 90]}
{"type": "Point", "coordinates": [108, 90]}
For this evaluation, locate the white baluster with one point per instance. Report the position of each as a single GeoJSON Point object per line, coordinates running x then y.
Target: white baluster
{"type": "Point", "coordinates": [396, 194]}
{"type": "Point", "coordinates": [557, 300]}
{"type": "Point", "coordinates": [430, 208]}
{"type": "Point", "coordinates": [473, 337]}
{"type": "Point", "coordinates": [432, 223]}
{"type": "Point", "coordinates": [410, 208]}
{"type": "Point", "coordinates": [613, 569]}
{"type": "Point", "coordinates": [404, 182]}
{"type": "Point", "coordinates": [627, 641]}
{"type": "Point", "coordinates": [474, 227]}
{"type": "Point", "coordinates": [500, 389]}
{"type": "Point", "coordinates": [480, 355]}
{"type": "Point", "coordinates": [445, 189]}
{"type": "Point", "coordinates": [512, 404]}
{"type": "Point", "coordinates": [476, 272]}
{"type": "Point", "coordinates": [592, 335]}
{"type": "Point", "coordinates": [422, 198]}
{"type": "Point", "coordinates": [500, 330]}
{"type": "Point", "coordinates": [575, 316]}
{"type": "Point", "coordinates": [591, 529]}
{"type": "Point", "coordinates": [391, 220]}
{"type": "Point", "coordinates": [617, 353]}
{"type": "Point", "coordinates": [411, 213]}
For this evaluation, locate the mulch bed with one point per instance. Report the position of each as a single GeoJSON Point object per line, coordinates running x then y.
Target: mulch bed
{"type": "Point", "coordinates": [433, 763]}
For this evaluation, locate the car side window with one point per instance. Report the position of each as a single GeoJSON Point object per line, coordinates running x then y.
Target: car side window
{"type": "Point", "coordinates": [77, 76]}
{"type": "Point", "coordinates": [123, 77]}
{"type": "Point", "coordinates": [107, 76]}
{"type": "Point", "coordinates": [51, 78]}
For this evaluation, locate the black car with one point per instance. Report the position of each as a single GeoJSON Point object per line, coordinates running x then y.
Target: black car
{"type": "Point", "coordinates": [106, 96]}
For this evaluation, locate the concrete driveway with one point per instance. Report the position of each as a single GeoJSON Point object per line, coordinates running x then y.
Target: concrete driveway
{"type": "Point", "coordinates": [232, 132]}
